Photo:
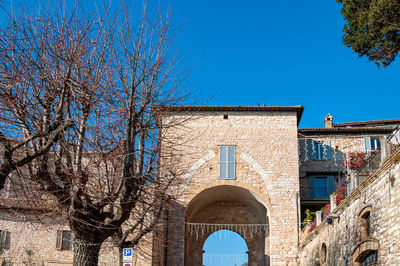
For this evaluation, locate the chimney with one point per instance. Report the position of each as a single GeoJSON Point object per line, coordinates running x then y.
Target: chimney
{"type": "Point", "coordinates": [328, 121]}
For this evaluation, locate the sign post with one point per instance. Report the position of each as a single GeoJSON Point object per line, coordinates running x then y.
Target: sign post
{"type": "Point", "coordinates": [127, 257]}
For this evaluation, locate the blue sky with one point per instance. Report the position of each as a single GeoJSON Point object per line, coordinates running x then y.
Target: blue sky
{"type": "Point", "coordinates": [224, 248]}
{"type": "Point", "coordinates": [282, 53]}
{"type": "Point", "coordinates": [276, 53]}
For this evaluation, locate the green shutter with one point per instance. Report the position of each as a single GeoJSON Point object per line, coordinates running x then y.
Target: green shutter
{"type": "Point", "coordinates": [311, 186]}
{"type": "Point", "coordinates": [327, 147]}
{"type": "Point", "coordinates": [312, 149]}
{"type": "Point", "coordinates": [330, 185]}
{"type": "Point", "coordinates": [308, 149]}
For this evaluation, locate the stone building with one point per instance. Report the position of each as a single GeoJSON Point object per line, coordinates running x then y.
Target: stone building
{"type": "Point", "coordinates": [243, 169]}
{"type": "Point", "coordinates": [252, 171]}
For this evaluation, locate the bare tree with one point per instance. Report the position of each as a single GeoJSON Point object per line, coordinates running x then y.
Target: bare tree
{"type": "Point", "coordinates": [78, 92]}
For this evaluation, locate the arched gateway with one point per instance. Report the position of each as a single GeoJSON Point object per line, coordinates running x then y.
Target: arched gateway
{"type": "Point", "coordinates": [241, 173]}
{"type": "Point", "coordinates": [226, 207]}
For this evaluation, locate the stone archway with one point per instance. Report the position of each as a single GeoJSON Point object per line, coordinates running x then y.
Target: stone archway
{"type": "Point", "coordinates": [228, 207]}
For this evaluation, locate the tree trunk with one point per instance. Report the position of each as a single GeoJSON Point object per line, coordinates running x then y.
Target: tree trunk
{"type": "Point", "coordinates": [86, 253]}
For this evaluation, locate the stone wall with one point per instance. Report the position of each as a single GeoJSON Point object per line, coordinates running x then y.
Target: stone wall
{"type": "Point", "coordinates": [33, 240]}
{"type": "Point", "coordinates": [345, 239]}
{"type": "Point", "coordinates": [266, 166]}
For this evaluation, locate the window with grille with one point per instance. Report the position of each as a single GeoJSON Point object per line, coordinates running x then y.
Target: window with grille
{"type": "Point", "coordinates": [371, 259]}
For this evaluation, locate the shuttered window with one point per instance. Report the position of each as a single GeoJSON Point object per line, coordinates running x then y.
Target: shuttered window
{"type": "Point", "coordinates": [372, 144]}
{"type": "Point", "coordinates": [5, 240]}
{"type": "Point", "coordinates": [63, 240]}
{"type": "Point", "coordinates": [330, 184]}
{"type": "Point", "coordinates": [227, 162]}
{"type": "Point", "coordinates": [311, 186]}
{"type": "Point", "coordinates": [319, 150]}
{"type": "Point", "coordinates": [321, 186]}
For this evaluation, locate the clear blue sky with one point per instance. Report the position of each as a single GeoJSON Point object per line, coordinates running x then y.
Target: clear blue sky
{"type": "Point", "coordinates": [224, 248]}
{"type": "Point", "coordinates": [277, 53]}
{"type": "Point", "coordinates": [282, 53]}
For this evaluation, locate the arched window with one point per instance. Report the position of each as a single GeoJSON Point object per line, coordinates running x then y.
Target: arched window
{"type": "Point", "coordinates": [323, 253]}
{"type": "Point", "coordinates": [365, 223]}
{"type": "Point", "coordinates": [370, 259]}
{"type": "Point", "coordinates": [366, 253]}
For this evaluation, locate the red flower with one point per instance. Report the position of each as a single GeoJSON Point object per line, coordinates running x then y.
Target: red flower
{"type": "Point", "coordinates": [355, 160]}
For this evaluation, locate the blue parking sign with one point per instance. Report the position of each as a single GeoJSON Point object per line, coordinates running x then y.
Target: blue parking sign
{"type": "Point", "coordinates": [127, 255]}
{"type": "Point", "coordinates": [127, 252]}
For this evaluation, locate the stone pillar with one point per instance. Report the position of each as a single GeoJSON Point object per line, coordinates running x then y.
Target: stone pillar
{"type": "Point", "coordinates": [333, 201]}
{"type": "Point", "coordinates": [318, 214]}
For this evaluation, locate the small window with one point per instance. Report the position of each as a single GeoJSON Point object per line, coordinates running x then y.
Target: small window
{"type": "Point", "coordinates": [227, 162]}
{"type": "Point", "coordinates": [365, 223]}
{"type": "Point", "coordinates": [319, 150]}
{"type": "Point", "coordinates": [323, 253]}
{"type": "Point", "coordinates": [372, 143]}
{"type": "Point", "coordinates": [5, 239]}
{"type": "Point", "coordinates": [64, 240]}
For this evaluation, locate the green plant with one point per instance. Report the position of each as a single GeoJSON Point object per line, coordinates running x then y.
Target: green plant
{"type": "Point", "coordinates": [309, 216]}
{"type": "Point", "coordinates": [29, 254]}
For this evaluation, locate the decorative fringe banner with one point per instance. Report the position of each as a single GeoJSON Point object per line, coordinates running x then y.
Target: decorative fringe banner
{"type": "Point", "coordinates": [222, 259]}
{"type": "Point", "coordinates": [203, 229]}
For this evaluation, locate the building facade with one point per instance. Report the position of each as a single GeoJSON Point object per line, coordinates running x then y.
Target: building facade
{"type": "Point", "coordinates": [253, 171]}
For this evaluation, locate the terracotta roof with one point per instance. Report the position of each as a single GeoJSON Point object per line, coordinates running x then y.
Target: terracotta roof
{"type": "Point", "coordinates": [365, 123]}
{"type": "Point", "coordinates": [298, 109]}
{"type": "Point", "coordinates": [346, 130]}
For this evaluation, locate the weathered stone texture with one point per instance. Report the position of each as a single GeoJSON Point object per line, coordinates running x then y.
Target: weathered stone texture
{"type": "Point", "coordinates": [381, 193]}
{"type": "Point", "coordinates": [37, 235]}
{"type": "Point", "coordinates": [266, 166]}
{"type": "Point", "coordinates": [266, 191]}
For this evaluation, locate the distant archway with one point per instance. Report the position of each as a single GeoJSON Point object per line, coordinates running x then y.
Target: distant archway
{"type": "Point", "coordinates": [225, 247]}
{"type": "Point", "coordinates": [226, 207]}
